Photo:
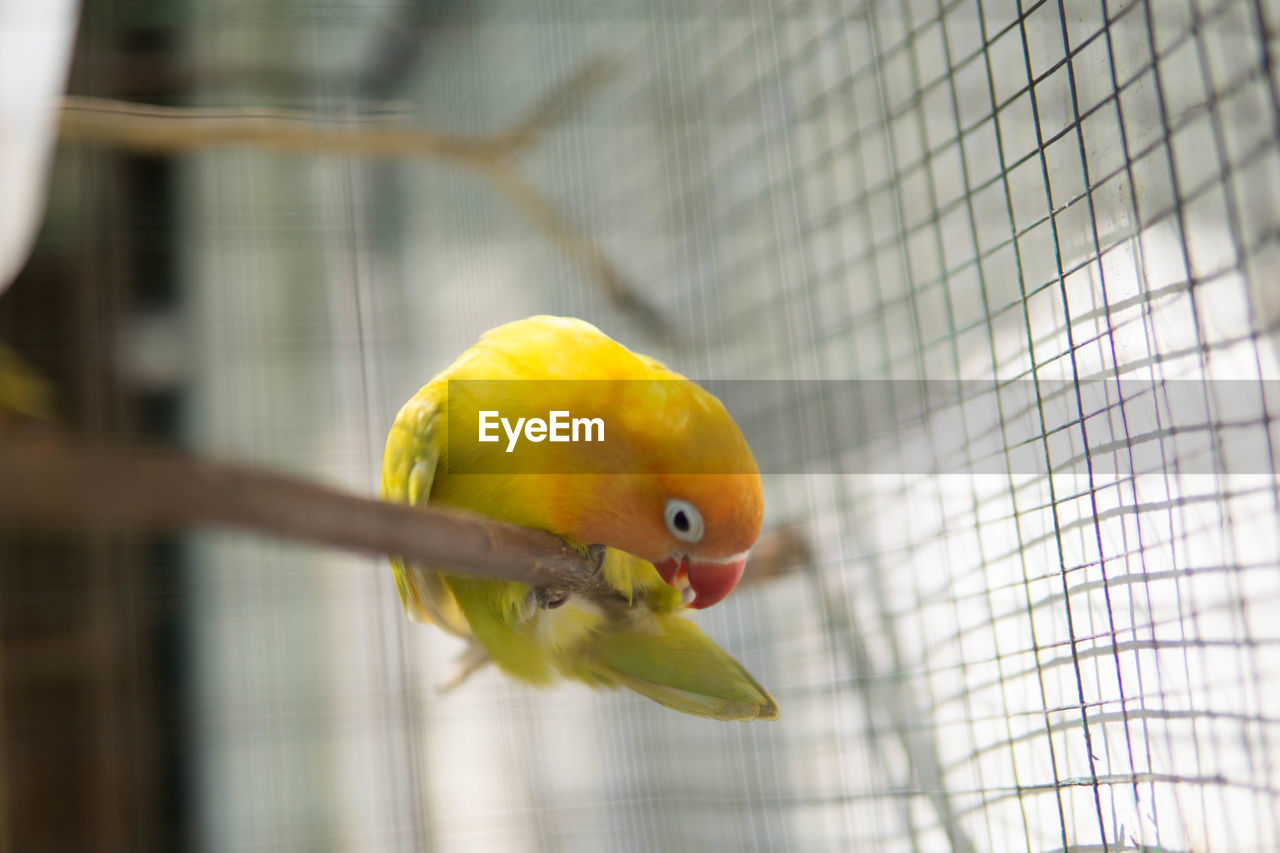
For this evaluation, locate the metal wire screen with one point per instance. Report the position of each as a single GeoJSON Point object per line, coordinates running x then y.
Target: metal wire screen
{"type": "Point", "coordinates": [1075, 200]}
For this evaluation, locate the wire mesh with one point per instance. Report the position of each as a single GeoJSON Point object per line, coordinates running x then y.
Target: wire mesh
{"type": "Point", "coordinates": [1063, 213]}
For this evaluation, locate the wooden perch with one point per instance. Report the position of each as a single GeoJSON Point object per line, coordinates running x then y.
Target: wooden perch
{"type": "Point", "coordinates": [51, 481]}
{"type": "Point", "coordinates": [159, 129]}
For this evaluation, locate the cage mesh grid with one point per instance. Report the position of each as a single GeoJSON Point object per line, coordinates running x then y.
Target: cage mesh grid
{"type": "Point", "coordinates": [1077, 196]}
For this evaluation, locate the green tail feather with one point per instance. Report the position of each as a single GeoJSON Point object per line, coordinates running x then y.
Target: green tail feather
{"type": "Point", "coordinates": [673, 663]}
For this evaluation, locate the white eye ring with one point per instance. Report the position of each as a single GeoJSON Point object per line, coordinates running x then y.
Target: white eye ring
{"type": "Point", "coordinates": [684, 521]}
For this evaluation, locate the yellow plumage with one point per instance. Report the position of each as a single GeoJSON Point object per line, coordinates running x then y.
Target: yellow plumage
{"type": "Point", "coordinates": [671, 444]}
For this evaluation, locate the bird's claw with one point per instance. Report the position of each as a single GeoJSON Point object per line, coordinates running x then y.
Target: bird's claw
{"type": "Point", "coordinates": [597, 554]}
{"type": "Point", "coordinates": [550, 599]}
{"type": "Point", "coordinates": [541, 598]}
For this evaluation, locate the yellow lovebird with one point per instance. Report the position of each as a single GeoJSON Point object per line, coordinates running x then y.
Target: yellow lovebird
{"type": "Point", "coordinates": [550, 424]}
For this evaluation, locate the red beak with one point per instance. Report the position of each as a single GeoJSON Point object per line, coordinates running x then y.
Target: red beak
{"type": "Point", "coordinates": [710, 581]}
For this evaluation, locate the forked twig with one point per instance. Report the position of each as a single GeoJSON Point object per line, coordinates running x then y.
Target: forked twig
{"type": "Point", "coordinates": [160, 129]}
{"type": "Point", "coordinates": [576, 245]}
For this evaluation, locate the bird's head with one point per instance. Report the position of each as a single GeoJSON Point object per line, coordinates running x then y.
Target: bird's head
{"type": "Point", "coordinates": [694, 505]}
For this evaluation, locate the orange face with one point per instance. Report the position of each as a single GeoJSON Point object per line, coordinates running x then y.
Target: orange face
{"type": "Point", "coordinates": [695, 506]}
{"type": "Point", "coordinates": [696, 528]}
{"type": "Point", "coordinates": [710, 532]}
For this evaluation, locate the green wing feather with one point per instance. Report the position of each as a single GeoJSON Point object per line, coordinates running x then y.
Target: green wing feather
{"type": "Point", "coordinates": [413, 452]}
{"type": "Point", "coordinates": [670, 660]}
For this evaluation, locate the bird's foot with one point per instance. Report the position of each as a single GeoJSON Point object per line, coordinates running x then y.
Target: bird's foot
{"type": "Point", "coordinates": [550, 599]}
{"type": "Point", "coordinates": [597, 554]}
{"type": "Point", "coordinates": [541, 598]}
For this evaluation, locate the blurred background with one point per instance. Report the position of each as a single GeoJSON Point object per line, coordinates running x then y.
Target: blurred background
{"type": "Point", "coordinates": [1082, 654]}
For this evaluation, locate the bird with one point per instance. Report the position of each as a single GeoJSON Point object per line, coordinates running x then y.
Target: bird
{"type": "Point", "coordinates": [665, 495]}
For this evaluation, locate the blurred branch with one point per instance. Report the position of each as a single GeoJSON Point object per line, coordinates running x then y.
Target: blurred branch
{"type": "Point", "coordinates": [576, 245]}
{"type": "Point", "coordinates": [52, 481]}
{"type": "Point", "coordinates": [777, 553]}
{"type": "Point", "coordinates": [889, 700]}
{"type": "Point", "coordinates": [557, 101]}
{"type": "Point", "coordinates": [158, 129]}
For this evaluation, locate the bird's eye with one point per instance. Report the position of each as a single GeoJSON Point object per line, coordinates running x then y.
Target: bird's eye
{"type": "Point", "coordinates": [684, 521]}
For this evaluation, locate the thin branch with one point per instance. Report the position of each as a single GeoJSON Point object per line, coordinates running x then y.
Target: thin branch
{"type": "Point", "coordinates": [777, 553]}
{"type": "Point", "coordinates": [576, 246]}
{"type": "Point", "coordinates": [159, 129]}
{"type": "Point", "coordinates": [52, 481]}
{"type": "Point", "coordinates": [557, 101]}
